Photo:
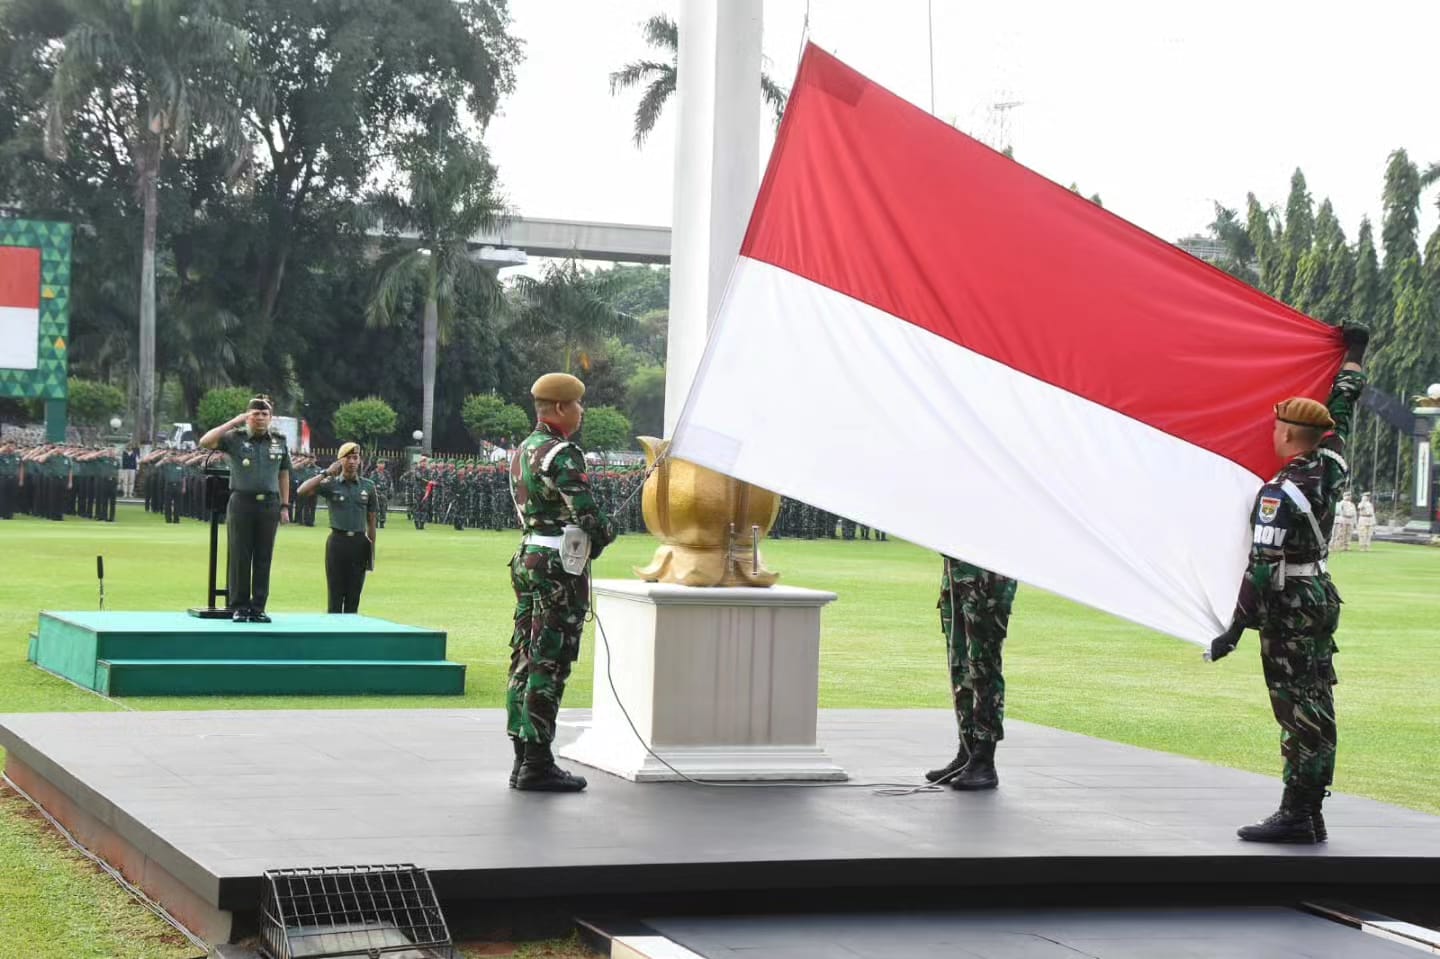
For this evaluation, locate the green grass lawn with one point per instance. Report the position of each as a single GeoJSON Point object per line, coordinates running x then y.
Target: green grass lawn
{"type": "Point", "coordinates": [1066, 666]}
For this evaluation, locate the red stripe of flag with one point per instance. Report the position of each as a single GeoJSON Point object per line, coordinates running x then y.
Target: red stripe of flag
{"type": "Point", "coordinates": [20, 277]}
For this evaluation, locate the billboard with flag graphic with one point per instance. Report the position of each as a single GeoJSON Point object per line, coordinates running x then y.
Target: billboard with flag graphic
{"type": "Point", "coordinates": [34, 308]}
{"type": "Point", "coordinates": [924, 336]}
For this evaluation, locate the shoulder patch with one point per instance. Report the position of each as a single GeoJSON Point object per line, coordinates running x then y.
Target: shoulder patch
{"type": "Point", "coordinates": [1269, 507]}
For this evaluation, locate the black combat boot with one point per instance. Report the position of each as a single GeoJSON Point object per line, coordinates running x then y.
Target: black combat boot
{"type": "Point", "coordinates": [1291, 823]}
{"type": "Point", "coordinates": [539, 773]}
{"type": "Point", "coordinates": [519, 745]}
{"type": "Point", "coordinates": [951, 768]}
{"type": "Point", "coordinates": [1312, 797]}
{"type": "Point", "coordinates": [979, 772]}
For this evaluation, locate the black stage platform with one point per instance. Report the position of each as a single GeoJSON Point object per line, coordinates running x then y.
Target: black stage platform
{"type": "Point", "coordinates": [1225, 933]}
{"type": "Point", "coordinates": [195, 805]}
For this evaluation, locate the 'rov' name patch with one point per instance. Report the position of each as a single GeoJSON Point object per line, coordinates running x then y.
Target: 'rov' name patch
{"type": "Point", "coordinates": [1270, 535]}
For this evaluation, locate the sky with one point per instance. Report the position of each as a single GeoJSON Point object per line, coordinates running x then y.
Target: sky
{"type": "Point", "coordinates": [1160, 108]}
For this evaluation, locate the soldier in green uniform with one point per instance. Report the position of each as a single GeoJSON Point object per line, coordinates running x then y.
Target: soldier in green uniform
{"type": "Point", "coordinates": [552, 495]}
{"type": "Point", "coordinates": [381, 479]}
{"type": "Point", "coordinates": [349, 551]}
{"type": "Point", "coordinates": [60, 482]}
{"type": "Point", "coordinates": [1287, 595]}
{"type": "Point", "coordinates": [975, 609]}
{"type": "Point", "coordinates": [9, 480]}
{"type": "Point", "coordinates": [172, 480]}
{"type": "Point", "coordinates": [259, 503]}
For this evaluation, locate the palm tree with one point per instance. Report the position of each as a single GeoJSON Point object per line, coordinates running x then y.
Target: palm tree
{"type": "Point", "coordinates": [452, 196]}
{"type": "Point", "coordinates": [166, 70]}
{"type": "Point", "coordinates": [659, 77]}
{"type": "Point", "coordinates": [572, 306]}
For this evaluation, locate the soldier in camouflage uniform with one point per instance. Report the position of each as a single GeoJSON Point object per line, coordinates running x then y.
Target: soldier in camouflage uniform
{"type": "Point", "coordinates": [551, 491]}
{"type": "Point", "coordinates": [974, 642]}
{"type": "Point", "coordinates": [1287, 595]}
{"type": "Point", "coordinates": [381, 480]}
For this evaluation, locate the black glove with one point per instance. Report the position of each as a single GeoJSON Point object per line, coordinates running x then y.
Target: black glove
{"type": "Point", "coordinates": [596, 548]}
{"type": "Point", "coordinates": [1356, 338]}
{"type": "Point", "coordinates": [1224, 644]}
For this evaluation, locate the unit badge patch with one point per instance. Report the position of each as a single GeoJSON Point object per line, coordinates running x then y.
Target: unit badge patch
{"type": "Point", "coordinates": [1269, 506]}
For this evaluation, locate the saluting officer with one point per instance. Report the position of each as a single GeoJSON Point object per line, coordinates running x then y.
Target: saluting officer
{"type": "Point", "coordinates": [350, 548]}
{"type": "Point", "coordinates": [259, 501]}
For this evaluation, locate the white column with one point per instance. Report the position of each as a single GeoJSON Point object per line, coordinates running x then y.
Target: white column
{"type": "Point", "coordinates": [717, 173]}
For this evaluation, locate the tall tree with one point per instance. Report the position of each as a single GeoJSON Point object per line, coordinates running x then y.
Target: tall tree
{"type": "Point", "coordinates": [572, 307]}
{"type": "Point", "coordinates": [349, 80]}
{"type": "Point", "coordinates": [658, 77]}
{"type": "Point", "coordinates": [1365, 296]}
{"type": "Point", "coordinates": [451, 195]}
{"type": "Point", "coordinates": [1259, 225]}
{"type": "Point", "coordinates": [1314, 285]}
{"type": "Point", "coordinates": [1228, 228]}
{"type": "Point", "coordinates": [1400, 224]}
{"type": "Point", "coordinates": [161, 71]}
{"type": "Point", "coordinates": [1295, 237]}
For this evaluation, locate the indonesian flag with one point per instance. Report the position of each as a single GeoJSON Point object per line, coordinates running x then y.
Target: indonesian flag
{"type": "Point", "coordinates": [924, 336]}
{"type": "Point", "coordinates": [19, 307]}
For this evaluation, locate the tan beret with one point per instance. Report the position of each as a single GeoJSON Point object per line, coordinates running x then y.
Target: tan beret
{"type": "Point", "coordinates": [558, 388]}
{"type": "Point", "coordinates": [1303, 411]}
{"type": "Point", "coordinates": [346, 449]}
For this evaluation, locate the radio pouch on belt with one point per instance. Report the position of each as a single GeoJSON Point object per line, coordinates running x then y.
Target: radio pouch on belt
{"type": "Point", "coordinates": [574, 549]}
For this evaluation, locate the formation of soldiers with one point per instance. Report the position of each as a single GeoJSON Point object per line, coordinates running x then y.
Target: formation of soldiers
{"type": "Point", "coordinates": [458, 492]}
{"type": "Point", "coordinates": [471, 494]}
{"type": "Point", "coordinates": [797, 520]}
{"type": "Point", "coordinates": [172, 482]}
{"type": "Point", "coordinates": [53, 481]}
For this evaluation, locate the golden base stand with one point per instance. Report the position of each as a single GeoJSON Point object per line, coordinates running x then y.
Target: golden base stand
{"type": "Point", "coordinates": [709, 525]}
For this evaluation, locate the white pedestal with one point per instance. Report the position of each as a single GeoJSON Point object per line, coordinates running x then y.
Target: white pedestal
{"type": "Point", "coordinates": [722, 683]}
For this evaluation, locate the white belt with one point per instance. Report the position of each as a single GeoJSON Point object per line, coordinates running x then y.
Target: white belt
{"type": "Point", "coordinates": [536, 539]}
{"type": "Point", "coordinates": [1305, 569]}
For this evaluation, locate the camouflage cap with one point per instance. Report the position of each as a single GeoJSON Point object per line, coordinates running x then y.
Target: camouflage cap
{"type": "Point", "coordinates": [1303, 411]}
{"type": "Point", "coordinates": [346, 449]}
{"type": "Point", "coordinates": [558, 388]}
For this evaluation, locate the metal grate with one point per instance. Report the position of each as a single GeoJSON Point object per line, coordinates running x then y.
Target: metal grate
{"type": "Point", "coordinates": [376, 912]}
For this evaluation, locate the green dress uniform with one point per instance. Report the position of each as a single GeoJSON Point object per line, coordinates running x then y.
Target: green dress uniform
{"type": "Point", "coordinates": [172, 475]}
{"type": "Point", "coordinates": [59, 479]}
{"type": "Point", "coordinates": [253, 514]}
{"type": "Point", "coordinates": [347, 551]}
{"type": "Point", "coordinates": [9, 483]}
{"type": "Point", "coordinates": [550, 490]}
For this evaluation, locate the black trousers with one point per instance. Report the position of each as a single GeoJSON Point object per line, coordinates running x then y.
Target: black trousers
{"type": "Point", "coordinates": [250, 526]}
{"type": "Point", "coordinates": [172, 502]}
{"type": "Point", "coordinates": [9, 496]}
{"type": "Point", "coordinates": [345, 560]}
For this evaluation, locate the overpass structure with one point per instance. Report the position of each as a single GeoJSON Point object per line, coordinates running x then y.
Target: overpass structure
{"type": "Point", "coordinates": [519, 238]}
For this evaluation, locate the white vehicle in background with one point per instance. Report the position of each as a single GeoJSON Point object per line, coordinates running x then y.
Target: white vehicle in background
{"type": "Point", "coordinates": [288, 427]}
{"type": "Point", "coordinates": [183, 436]}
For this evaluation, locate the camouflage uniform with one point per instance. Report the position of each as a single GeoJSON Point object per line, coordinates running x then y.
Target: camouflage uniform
{"type": "Point", "coordinates": [975, 645]}
{"type": "Point", "coordinates": [1287, 594]}
{"type": "Point", "coordinates": [551, 490]}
